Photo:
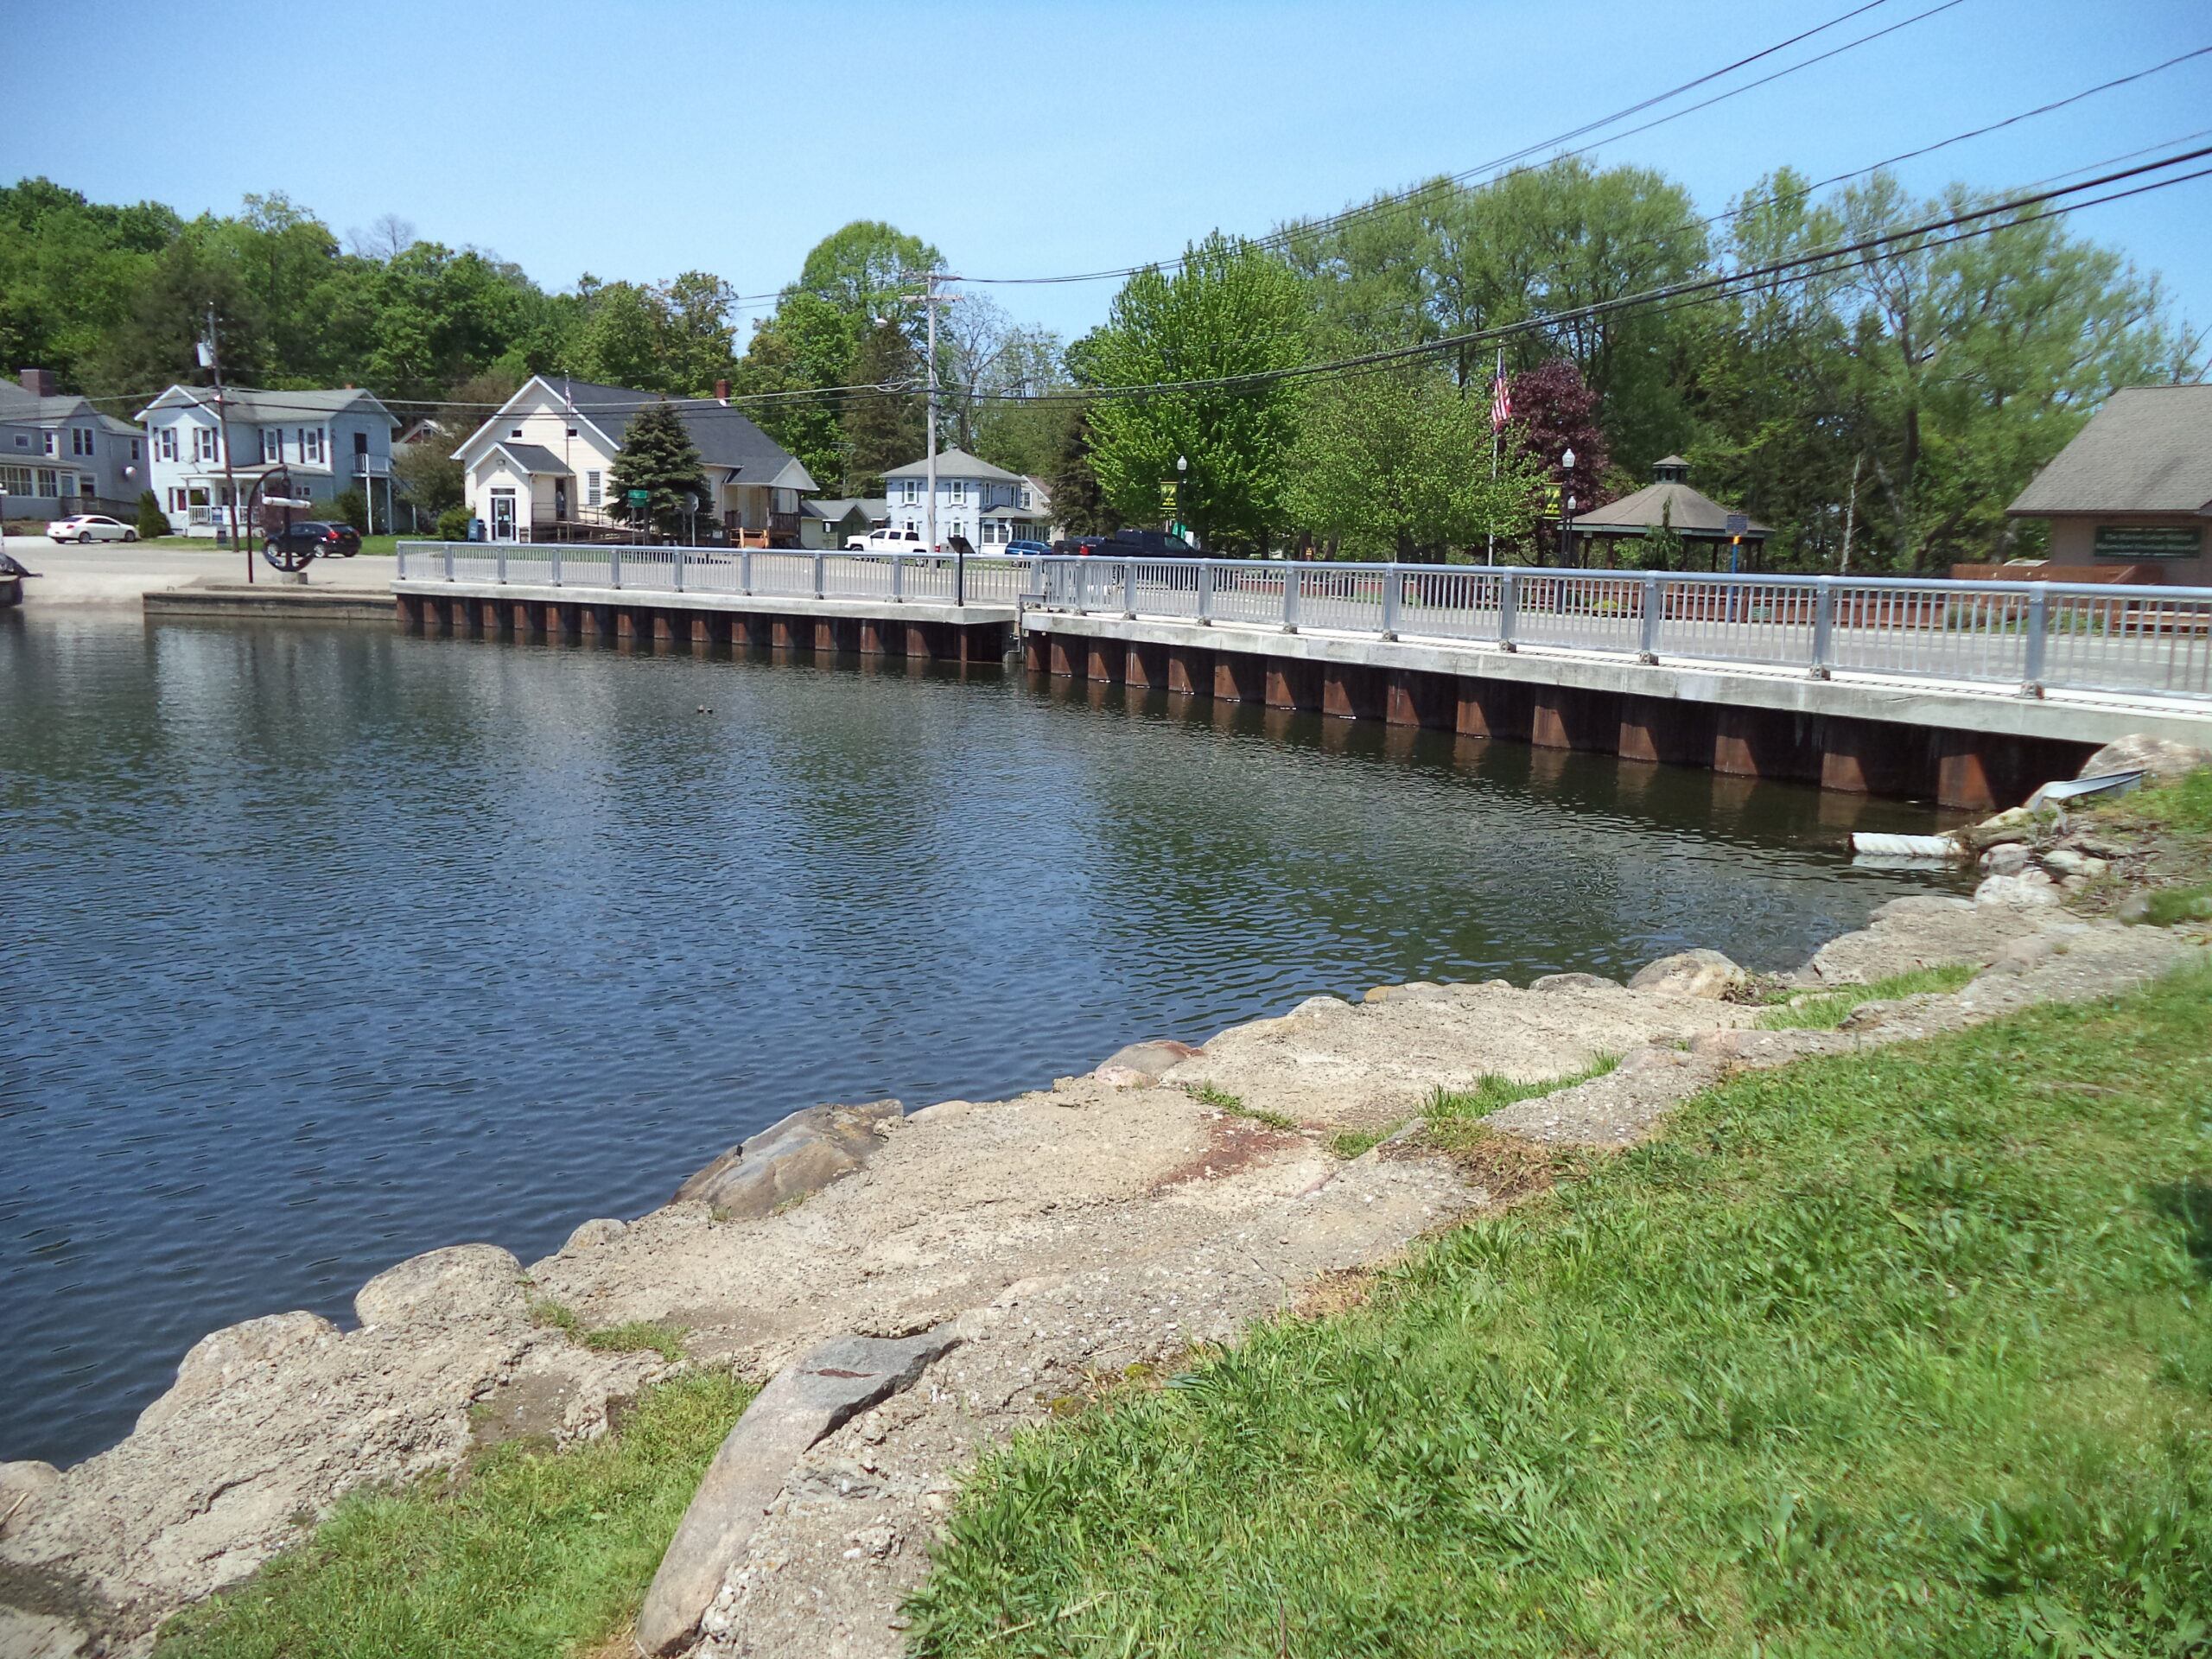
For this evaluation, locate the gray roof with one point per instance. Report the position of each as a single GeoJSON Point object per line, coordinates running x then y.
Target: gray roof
{"type": "Point", "coordinates": [835, 510]}
{"type": "Point", "coordinates": [270, 407]}
{"type": "Point", "coordinates": [535, 458]}
{"type": "Point", "coordinates": [955, 463]}
{"type": "Point", "coordinates": [18, 404]}
{"type": "Point", "coordinates": [2149, 449]}
{"type": "Point", "coordinates": [1674, 503]}
{"type": "Point", "coordinates": [724, 437]}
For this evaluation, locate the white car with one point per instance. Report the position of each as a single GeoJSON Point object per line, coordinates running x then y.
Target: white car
{"type": "Point", "coordinates": [90, 527]}
{"type": "Point", "coordinates": [886, 540]}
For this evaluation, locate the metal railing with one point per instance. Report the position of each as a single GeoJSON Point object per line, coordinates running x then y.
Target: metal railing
{"type": "Point", "coordinates": [2028, 635]}
{"type": "Point", "coordinates": [740, 572]}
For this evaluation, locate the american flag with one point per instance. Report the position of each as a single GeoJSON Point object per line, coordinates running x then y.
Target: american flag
{"type": "Point", "coordinates": [1501, 405]}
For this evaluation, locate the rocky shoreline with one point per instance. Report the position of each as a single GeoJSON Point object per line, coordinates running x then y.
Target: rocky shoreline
{"type": "Point", "coordinates": [1032, 1250]}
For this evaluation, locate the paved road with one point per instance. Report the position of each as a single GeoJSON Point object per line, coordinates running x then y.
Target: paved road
{"type": "Point", "coordinates": [117, 573]}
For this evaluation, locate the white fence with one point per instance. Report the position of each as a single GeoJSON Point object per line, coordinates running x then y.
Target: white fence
{"type": "Point", "coordinates": [2032, 635]}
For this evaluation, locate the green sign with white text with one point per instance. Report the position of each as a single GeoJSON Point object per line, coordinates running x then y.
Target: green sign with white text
{"type": "Point", "coordinates": [2150, 541]}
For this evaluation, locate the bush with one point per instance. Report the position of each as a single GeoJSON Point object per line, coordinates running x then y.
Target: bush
{"type": "Point", "coordinates": [352, 506]}
{"type": "Point", "coordinates": [152, 521]}
{"type": "Point", "coordinates": [452, 524]}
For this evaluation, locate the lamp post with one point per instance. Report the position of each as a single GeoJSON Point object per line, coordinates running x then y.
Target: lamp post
{"type": "Point", "coordinates": [1565, 508]}
{"type": "Point", "coordinates": [1182, 479]}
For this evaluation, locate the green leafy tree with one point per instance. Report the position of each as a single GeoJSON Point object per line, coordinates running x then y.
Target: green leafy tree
{"type": "Point", "coordinates": [866, 268]}
{"type": "Point", "coordinates": [1079, 502]}
{"type": "Point", "coordinates": [1395, 464]}
{"type": "Point", "coordinates": [1231, 309]}
{"type": "Point", "coordinates": [657, 457]}
{"type": "Point", "coordinates": [809, 345]}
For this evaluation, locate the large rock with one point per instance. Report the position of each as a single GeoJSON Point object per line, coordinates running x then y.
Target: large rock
{"type": "Point", "coordinates": [1704, 974]}
{"type": "Point", "coordinates": [462, 1282]}
{"type": "Point", "coordinates": [222, 1357]}
{"type": "Point", "coordinates": [2159, 756]}
{"type": "Point", "coordinates": [1140, 1065]}
{"type": "Point", "coordinates": [791, 1158]}
{"type": "Point", "coordinates": [1573, 983]}
{"type": "Point", "coordinates": [2027, 889]}
{"type": "Point", "coordinates": [804, 1402]}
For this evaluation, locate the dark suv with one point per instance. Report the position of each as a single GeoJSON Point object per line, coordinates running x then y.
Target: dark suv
{"type": "Point", "coordinates": [312, 538]}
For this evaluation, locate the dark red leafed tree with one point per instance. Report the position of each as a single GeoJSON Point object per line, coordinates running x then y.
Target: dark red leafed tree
{"type": "Point", "coordinates": [1555, 409]}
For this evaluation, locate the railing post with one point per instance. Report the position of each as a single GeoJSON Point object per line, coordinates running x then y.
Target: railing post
{"type": "Point", "coordinates": [500, 566]}
{"type": "Point", "coordinates": [557, 564]}
{"type": "Point", "coordinates": [744, 571]}
{"type": "Point", "coordinates": [1824, 630]}
{"type": "Point", "coordinates": [448, 561]}
{"type": "Point", "coordinates": [899, 578]}
{"type": "Point", "coordinates": [614, 567]}
{"type": "Point", "coordinates": [1205, 594]}
{"type": "Point", "coordinates": [1129, 589]}
{"type": "Point", "coordinates": [1655, 609]}
{"type": "Point", "coordinates": [2038, 631]}
{"type": "Point", "coordinates": [1393, 580]}
{"type": "Point", "coordinates": [1081, 586]}
{"type": "Point", "coordinates": [1293, 579]}
{"type": "Point", "coordinates": [1509, 608]}
{"type": "Point", "coordinates": [675, 569]}
{"type": "Point", "coordinates": [817, 576]}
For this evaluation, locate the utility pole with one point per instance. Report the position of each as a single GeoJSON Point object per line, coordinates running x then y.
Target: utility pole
{"type": "Point", "coordinates": [1496, 436]}
{"type": "Point", "coordinates": [931, 300]}
{"type": "Point", "coordinates": [1850, 512]}
{"type": "Point", "coordinates": [223, 424]}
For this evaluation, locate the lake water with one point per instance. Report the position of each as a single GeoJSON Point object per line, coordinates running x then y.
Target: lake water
{"type": "Point", "coordinates": [327, 945]}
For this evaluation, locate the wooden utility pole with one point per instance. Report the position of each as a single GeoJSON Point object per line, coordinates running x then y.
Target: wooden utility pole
{"type": "Point", "coordinates": [239, 538]}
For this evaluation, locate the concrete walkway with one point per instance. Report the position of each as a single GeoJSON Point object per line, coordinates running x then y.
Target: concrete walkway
{"type": "Point", "coordinates": [123, 573]}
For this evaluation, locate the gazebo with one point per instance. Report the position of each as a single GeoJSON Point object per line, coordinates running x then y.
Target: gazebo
{"type": "Point", "coordinates": [1668, 503]}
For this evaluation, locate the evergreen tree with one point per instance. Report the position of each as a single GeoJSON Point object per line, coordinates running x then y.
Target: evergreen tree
{"type": "Point", "coordinates": [657, 457]}
{"type": "Point", "coordinates": [884, 428]}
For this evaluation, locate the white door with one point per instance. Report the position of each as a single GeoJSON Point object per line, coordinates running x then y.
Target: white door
{"type": "Point", "coordinates": [503, 515]}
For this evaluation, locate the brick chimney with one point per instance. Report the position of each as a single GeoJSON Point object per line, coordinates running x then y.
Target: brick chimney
{"type": "Point", "coordinates": [722, 392]}
{"type": "Point", "coordinates": [38, 382]}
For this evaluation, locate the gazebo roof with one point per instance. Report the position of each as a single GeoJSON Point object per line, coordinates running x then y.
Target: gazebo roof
{"type": "Point", "coordinates": [1668, 502]}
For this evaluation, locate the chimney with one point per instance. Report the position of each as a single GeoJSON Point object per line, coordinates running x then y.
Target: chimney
{"type": "Point", "coordinates": [722, 392]}
{"type": "Point", "coordinates": [38, 382]}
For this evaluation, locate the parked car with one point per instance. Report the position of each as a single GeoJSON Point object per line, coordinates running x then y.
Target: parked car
{"type": "Point", "coordinates": [90, 527]}
{"type": "Point", "coordinates": [886, 540]}
{"type": "Point", "coordinates": [317, 539]}
{"type": "Point", "coordinates": [1025, 549]}
{"type": "Point", "coordinates": [1150, 544]}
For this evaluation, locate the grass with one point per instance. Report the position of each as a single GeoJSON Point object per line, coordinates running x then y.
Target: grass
{"type": "Point", "coordinates": [528, 1554]}
{"type": "Point", "coordinates": [1828, 1010]}
{"type": "Point", "coordinates": [1221, 1101]}
{"type": "Point", "coordinates": [1906, 1352]}
{"type": "Point", "coordinates": [635, 1337]}
{"type": "Point", "coordinates": [2182, 806]}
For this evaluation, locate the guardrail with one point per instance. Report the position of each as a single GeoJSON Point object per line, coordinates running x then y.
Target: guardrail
{"type": "Point", "coordinates": [743, 572]}
{"type": "Point", "coordinates": [2030, 635]}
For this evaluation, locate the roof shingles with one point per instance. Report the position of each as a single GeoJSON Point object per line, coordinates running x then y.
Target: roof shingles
{"type": "Point", "coordinates": [2149, 449]}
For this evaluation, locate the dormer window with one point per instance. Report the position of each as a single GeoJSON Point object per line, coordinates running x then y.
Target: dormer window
{"type": "Point", "coordinates": [518, 433]}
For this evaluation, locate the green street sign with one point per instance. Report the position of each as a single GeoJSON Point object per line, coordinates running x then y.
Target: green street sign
{"type": "Point", "coordinates": [641, 496]}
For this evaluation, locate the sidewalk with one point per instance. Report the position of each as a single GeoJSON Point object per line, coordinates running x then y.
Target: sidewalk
{"type": "Point", "coordinates": [117, 573]}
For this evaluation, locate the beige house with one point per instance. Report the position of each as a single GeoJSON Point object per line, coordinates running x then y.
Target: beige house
{"type": "Point", "coordinates": [539, 470]}
{"type": "Point", "coordinates": [2131, 497]}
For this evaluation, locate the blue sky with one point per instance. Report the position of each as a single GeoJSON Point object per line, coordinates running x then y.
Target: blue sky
{"type": "Point", "coordinates": [640, 140]}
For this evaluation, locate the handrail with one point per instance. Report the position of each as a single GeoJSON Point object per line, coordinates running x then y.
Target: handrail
{"type": "Point", "coordinates": [2031, 635]}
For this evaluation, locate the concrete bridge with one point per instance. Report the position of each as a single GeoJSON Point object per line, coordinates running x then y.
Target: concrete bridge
{"type": "Point", "coordinates": [1969, 693]}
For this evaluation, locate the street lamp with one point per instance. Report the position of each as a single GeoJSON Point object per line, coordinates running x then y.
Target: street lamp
{"type": "Point", "coordinates": [1182, 474]}
{"type": "Point", "coordinates": [1565, 508]}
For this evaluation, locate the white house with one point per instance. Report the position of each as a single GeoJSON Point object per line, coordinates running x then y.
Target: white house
{"type": "Point", "coordinates": [320, 443]}
{"type": "Point", "coordinates": [60, 455]}
{"type": "Point", "coordinates": [538, 469]}
{"type": "Point", "coordinates": [987, 505]}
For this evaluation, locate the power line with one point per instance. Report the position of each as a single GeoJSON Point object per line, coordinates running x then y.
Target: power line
{"type": "Point", "coordinates": [1330, 221]}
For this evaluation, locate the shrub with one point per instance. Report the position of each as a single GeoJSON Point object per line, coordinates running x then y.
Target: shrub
{"type": "Point", "coordinates": [152, 521]}
{"type": "Point", "coordinates": [452, 524]}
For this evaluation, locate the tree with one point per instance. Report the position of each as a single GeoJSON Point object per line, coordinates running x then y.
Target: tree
{"type": "Point", "coordinates": [1079, 502]}
{"type": "Point", "coordinates": [1230, 309]}
{"type": "Point", "coordinates": [1555, 411]}
{"type": "Point", "coordinates": [888, 428]}
{"type": "Point", "coordinates": [865, 269]}
{"type": "Point", "coordinates": [152, 521]}
{"type": "Point", "coordinates": [1395, 464]}
{"type": "Point", "coordinates": [657, 457]}
{"type": "Point", "coordinates": [809, 345]}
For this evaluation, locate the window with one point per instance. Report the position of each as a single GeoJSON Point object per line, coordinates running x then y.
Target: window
{"type": "Point", "coordinates": [912, 489]}
{"type": "Point", "coordinates": [591, 489]}
{"type": "Point", "coordinates": [518, 433]}
{"type": "Point", "coordinates": [205, 443]}
{"type": "Point", "coordinates": [84, 487]}
{"type": "Point", "coordinates": [169, 443]}
{"type": "Point", "coordinates": [15, 480]}
{"type": "Point", "coordinates": [176, 498]}
{"type": "Point", "coordinates": [361, 443]}
{"type": "Point", "coordinates": [272, 443]}
{"type": "Point", "coordinates": [572, 431]}
{"type": "Point", "coordinates": [311, 443]}
{"type": "Point", "coordinates": [956, 491]}
{"type": "Point", "coordinates": [22, 440]}
{"type": "Point", "coordinates": [49, 482]}
{"type": "Point", "coordinates": [80, 441]}
{"type": "Point", "coordinates": [1024, 494]}
{"type": "Point", "coordinates": [45, 443]}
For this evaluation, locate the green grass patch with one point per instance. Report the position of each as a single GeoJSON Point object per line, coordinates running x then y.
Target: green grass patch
{"type": "Point", "coordinates": [2183, 805]}
{"type": "Point", "coordinates": [528, 1554]}
{"type": "Point", "coordinates": [1221, 1101]}
{"type": "Point", "coordinates": [1828, 1010]}
{"type": "Point", "coordinates": [1349, 1144]}
{"type": "Point", "coordinates": [2170, 905]}
{"type": "Point", "coordinates": [1904, 1352]}
{"type": "Point", "coordinates": [632, 1337]}
{"type": "Point", "coordinates": [1492, 1093]}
